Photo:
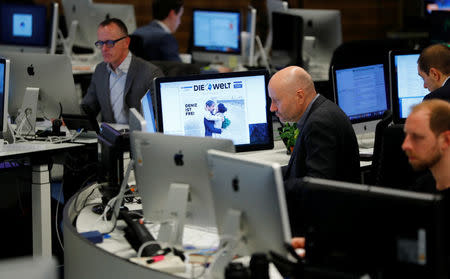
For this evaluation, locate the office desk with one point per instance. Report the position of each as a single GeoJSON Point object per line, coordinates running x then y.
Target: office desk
{"type": "Point", "coordinates": [38, 153]}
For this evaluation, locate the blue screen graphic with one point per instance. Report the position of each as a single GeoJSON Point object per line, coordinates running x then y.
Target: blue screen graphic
{"type": "Point", "coordinates": [22, 25]}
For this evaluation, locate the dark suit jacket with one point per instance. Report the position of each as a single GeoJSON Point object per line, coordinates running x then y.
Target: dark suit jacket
{"type": "Point", "coordinates": [209, 128]}
{"type": "Point", "coordinates": [139, 79]}
{"type": "Point", "coordinates": [440, 93]}
{"type": "Point", "coordinates": [157, 43]}
{"type": "Point", "coordinates": [325, 148]}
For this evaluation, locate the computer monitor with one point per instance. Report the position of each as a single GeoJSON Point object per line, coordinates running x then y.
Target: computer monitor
{"type": "Point", "coordinates": [256, 191]}
{"type": "Point", "coordinates": [51, 74]}
{"type": "Point", "coordinates": [172, 176]}
{"type": "Point", "coordinates": [89, 15]}
{"type": "Point", "coordinates": [251, 34]}
{"type": "Point", "coordinates": [362, 93]}
{"type": "Point", "coordinates": [439, 26]}
{"type": "Point", "coordinates": [232, 105]}
{"type": "Point", "coordinates": [273, 6]}
{"type": "Point", "coordinates": [148, 112]}
{"type": "Point", "coordinates": [4, 90]}
{"type": "Point", "coordinates": [216, 35]}
{"type": "Point", "coordinates": [25, 28]}
{"type": "Point", "coordinates": [381, 232]}
{"type": "Point", "coordinates": [406, 85]}
{"type": "Point", "coordinates": [436, 5]}
{"type": "Point", "coordinates": [287, 40]}
{"type": "Point", "coordinates": [136, 121]}
{"type": "Point", "coordinates": [325, 27]}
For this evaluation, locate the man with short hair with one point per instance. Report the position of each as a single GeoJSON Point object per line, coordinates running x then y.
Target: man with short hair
{"type": "Point", "coordinates": [210, 118]}
{"type": "Point", "coordinates": [326, 146]}
{"type": "Point", "coordinates": [427, 141]}
{"type": "Point", "coordinates": [433, 66]}
{"type": "Point", "coordinates": [121, 80]}
{"type": "Point", "coordinates": [157, 36]}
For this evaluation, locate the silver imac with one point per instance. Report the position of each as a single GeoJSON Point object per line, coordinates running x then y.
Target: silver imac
{"type": "Point", "coordinates": [172, 178]}
{"type": "Point", "coordinates": [250, 206]}
{"type": "Point", "coordinates": [51, 74]}
{"type": "Point", "coordinates": [136, 121]}
{"type": "Point", "coordinates": [88, 16]}
{"type": "Point", "coordinates": [249, 50]}
{"type": "Point", "coordinates": [148, 112]}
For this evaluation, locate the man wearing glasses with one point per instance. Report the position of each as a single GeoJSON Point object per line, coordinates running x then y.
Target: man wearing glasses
{"type": "Point", "coordinates": [121, 80]}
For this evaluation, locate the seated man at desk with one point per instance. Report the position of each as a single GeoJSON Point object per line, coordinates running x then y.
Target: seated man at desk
{"type": "Point", "coordinates": [326, 146]}
{"type": "Point", "coordinates": [121, 80]}
{"type": "Point", "coordinates": [157, 36]}
{"type": "Point", "coordinates": [427, 140]}
{"type": "Point", "coordinates": [434, 68]}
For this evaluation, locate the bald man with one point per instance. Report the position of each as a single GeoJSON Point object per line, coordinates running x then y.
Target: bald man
{"type": "Point", "coordinates": [433, 66]}
{"type": "Point", "coordinates": [326, 146]}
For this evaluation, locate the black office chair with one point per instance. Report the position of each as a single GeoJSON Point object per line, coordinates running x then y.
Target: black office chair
{"type": "Point", "coordinates": [394, 170]}
{"type": "Point", "coordinates": [377, 147]}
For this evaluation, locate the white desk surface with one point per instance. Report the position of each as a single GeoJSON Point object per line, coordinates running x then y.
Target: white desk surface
{"type": "Point", "coordinates": [33, 146]}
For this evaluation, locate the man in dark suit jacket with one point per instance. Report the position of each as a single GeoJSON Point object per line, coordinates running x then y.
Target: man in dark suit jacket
{"type": "Point", "coordinates": [434, 68]}
{"type": "Point", "coordinates": [157, 38]}
{"type": "Point", "coordinates": [121, 80]}
{"type": "Point", "coordinates": [326, 146]}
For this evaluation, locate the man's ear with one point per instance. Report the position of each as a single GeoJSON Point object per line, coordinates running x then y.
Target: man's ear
{"type": "Point", "coordinates": [445, 140]}
{"type": "Point", "coordinates": [435, 74]}
{"type": "Point", "coordinates": [300, 94]}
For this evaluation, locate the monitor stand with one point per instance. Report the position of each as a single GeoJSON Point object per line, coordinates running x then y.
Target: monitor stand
{"type": "Point", "coordinates": [229, 243]}
{"type": "Point", "coordinates": [174, 216]}
{"type": "Point", "coordinates": [26, 120]}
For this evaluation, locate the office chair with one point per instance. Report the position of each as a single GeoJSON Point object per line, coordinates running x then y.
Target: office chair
{"type": "Point", "coordinates": [377, 147]}
{"type": "Point", "coordinates": [393, 169]}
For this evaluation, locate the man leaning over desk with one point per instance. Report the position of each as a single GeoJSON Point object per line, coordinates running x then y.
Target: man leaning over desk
{"type": "Point", "coordinates": [121, 80]}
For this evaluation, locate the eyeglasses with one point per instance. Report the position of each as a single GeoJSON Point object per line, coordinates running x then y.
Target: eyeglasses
{"type": "Point", "coordinates": [108, 43]}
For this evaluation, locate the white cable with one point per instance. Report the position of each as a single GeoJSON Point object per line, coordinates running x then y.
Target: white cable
{"type": "Point", "coordinates": [56, 217]}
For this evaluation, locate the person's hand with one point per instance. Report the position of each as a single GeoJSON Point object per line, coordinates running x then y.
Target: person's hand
{"type": "Point", "coordinates": [299, 245]}
{"type": "Point", "coordinates": [222, 69]}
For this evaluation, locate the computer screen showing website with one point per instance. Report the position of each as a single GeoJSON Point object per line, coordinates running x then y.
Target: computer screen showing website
{"type": "Point", "coordinates": [216, 30]}
{"type": "Point", "coordinates": [361, 92]}
{"type": "Point", "coordinates": [2, 91]}
{"type": "Point", "coordinates": [410, 90]}
{"type": "Point", "coordinates": [232, 106]}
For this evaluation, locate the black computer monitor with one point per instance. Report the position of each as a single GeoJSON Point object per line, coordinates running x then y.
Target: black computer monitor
{"type": "Point", "coordinates": [287, 39]}
{"type": "Point", "coordinates": [440, 26]}
{"type": "Point", "coordinates": [385, 233]}
{"type": "Point", "coordinates": [4, 89]}
{"type": "Point", "coordinates": [362, 93]}
{"type": "Point", "coordinates": [24, 27]}
{"type": "Point", "coordinates": [241, 107]}
{"type": "Point", "coordinates": [406, 85]}
{"type": "Point", "coordinates": [216, 35]}
{"type": "Point", "coordinates": [251, 31]}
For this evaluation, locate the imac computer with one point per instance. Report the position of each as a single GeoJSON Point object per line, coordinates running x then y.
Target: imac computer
{"type": "Point", "coordinates": [144, 121]}
{"type": "Point", "coordinates": [322, 31]}
{"type": "Point", "coordinates": [4, 89]}
{"type": "Point", "coordinates": [87, 15]}
{"type": "Point", "coordinates": [25, 28]}
{"type": "Point", "coordinates": [232, 106]}
{"type": "Point", "coordinates": [216, 36]}
{"type": "Point", "coordinates": [273, 6]}
{"type": "Point", "coordinates": [376, 231]}
{"type": "Point", "coordinates": [172, 176]}
{"type": "Point", "coordinates": [250, 207]}
{"type": "Point", "coordinates": [249, 52]}
{"type": "Point", "coordinates": [287, 40]}
{"type": "Point", "coordinates": [406, 85]}
{"type": "Point", "coordinates": [440, 26]}
{"type": "Point", "coordinates": [362, 93]}
{"type": "Point", "coordinates": [51, 75]}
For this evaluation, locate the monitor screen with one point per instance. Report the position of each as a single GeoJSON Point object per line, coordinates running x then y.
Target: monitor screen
{"type": "Point", "coordinates": [358, 229]}
{"type": "Point", "coordinates": [439, 27]}
{"type": "Point", "coordinates": [287, 34]}
{"type": "Point", "coordinates": [4, 88]}
{"type": "Point", "coordinates": [406, 85]}
{"type": "Point", "coordinates": [51, 74]}
{"type": "Point", "coordinates": [435, 5]}
{"type": "Point", "coordinates": [148, 112]}
{"type": "Point", "coordinates": [361, 92]}
{"type": "Point", "coordinates": [217, 31]}
{"type": "Point", "coordinates": [233, 106]}
{"type": "Point", "coordinates": [23, 25]}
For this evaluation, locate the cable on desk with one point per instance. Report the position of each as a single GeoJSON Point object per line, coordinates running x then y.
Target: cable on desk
{"type": "Point", "coordinates": [56, 217]}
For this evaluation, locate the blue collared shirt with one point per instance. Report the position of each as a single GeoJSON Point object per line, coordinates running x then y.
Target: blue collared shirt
{"type": "Point", "coordinates": [117, 79]}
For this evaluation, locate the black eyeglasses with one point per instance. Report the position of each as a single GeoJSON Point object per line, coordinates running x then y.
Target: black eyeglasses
{"type": "Point", "coordinates": [108, 43]}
